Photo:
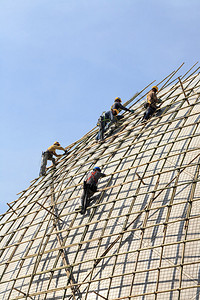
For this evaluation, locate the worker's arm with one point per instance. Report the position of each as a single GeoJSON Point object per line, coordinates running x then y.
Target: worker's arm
{"type": "Point", "coordinates": [154, 97]}
{"type": "Point", "coordinates": [103, 175]}
{"type": "Point", "coordinates": [60, 148]}
{"type": "Point", "coordinates": [57, 155]}
{"type": "Point", "coordinates": [125, 108]}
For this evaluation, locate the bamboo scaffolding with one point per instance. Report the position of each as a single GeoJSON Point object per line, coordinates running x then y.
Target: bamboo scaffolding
{"type": "Point", "coordinates": [108, 249]}
{"type": "Point", "coordinates": [123, 253]}
{"type": "Point", "coordinates": [121, 171]}
{"type": "Point", "coordinates": [160, 134]}
{"type": "Point", "coordinates": [175, 129]}
{"type": "Point", "coordinates": [91, 223]}
{"type": "Point", "coordinates": [12, 208]}
{"type": "Point", "coordinates": [22, 293]}
{"type": "Point", "coordinates": [126, 274]}
{"type": "Point", "coordinates": [156, 169]}
{"type": "Point", "coordinates": [139, 194]}
{"type": "Point", "coordinates": [60, 242]}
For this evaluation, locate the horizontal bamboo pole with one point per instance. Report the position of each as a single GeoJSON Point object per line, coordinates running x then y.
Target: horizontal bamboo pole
{"type": "Point", "coordinates": [120, 184]}
{"type": "Point", "coordinates": [125, 253]}
{"type": "Point", "coordinates": [117, 276]}
{"type": "Point", "coordinates": [171, 130]}
{"type": "Point", "coordinates": [106, 236]}
{"type": "Point", "coordinates": [145, 177]}
{"type": "Point", "coordinates": [192, 89]}
{"type": "Point", "coordinates": [15, 200]}
{"type": "Point", "coordinates": [98, 221]}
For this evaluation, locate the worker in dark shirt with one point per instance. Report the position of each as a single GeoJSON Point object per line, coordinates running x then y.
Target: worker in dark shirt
{"type": "Point", "coordinates": [117, 106]}
{"type": "Point", "coordinates": [48, 155]}
{"type": "Point", "coordinates": [90, 187]}
{"type": "Point", "coordinates": [111, 116]}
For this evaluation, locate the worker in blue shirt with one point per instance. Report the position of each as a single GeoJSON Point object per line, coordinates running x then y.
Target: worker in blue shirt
{"type": "Point", "coordinates": [111, 116]}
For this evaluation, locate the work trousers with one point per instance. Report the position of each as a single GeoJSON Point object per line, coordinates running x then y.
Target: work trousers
{"type": "Point", "coordinates": [149, 112]}
{"type": "Point", "coordinates": [45, 157]}
{"type": "Point", "coordinates": [90, 193]}
{"type": "Point", "coordinates": [104, 123]}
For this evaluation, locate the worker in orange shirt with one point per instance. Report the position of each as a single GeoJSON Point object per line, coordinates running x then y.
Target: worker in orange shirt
{"type": "Point", "coordinates": [48, 155]}
{"type": "Point", "coordinates": [90, 187]}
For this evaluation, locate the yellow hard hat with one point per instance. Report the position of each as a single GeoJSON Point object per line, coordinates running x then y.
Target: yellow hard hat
{"type": "Point", "coordinates": [155, 87]}
{"type": "Point", "coordinates": [118, 99]}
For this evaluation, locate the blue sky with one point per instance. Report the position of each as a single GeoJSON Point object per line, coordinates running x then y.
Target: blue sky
{"type": "Point", "coordinates": [62, 62]}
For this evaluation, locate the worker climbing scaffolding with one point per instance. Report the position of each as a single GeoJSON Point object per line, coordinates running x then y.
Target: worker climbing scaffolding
{"type": "Point", "coordinates": [137, 210]}
{"type": "Point", "coordinates": [48, 155]}
{"type": "Point", "coordinates": [150, 105]}
{"type": "Point", "coordinates": [110, 117]}
{"type": "Point", "coordinates": [90, 187]}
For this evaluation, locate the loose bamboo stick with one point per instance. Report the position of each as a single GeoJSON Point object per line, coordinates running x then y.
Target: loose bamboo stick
{"type": "Point", "coordinates": [183, 91]}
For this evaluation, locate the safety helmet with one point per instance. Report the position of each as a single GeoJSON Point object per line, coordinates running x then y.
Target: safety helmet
{"type": "Point", "coordinates": [97, 169]}
{"type": "Point", "coordinates": [155, 87]}
{"type": "Point", "coordinates": [118, 99]}
{"type": "Point", "coordinates": [57, 143]}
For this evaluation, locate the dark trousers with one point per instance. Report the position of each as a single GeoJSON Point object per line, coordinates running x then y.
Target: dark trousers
{"type": "Point", "coordinates": [46, 156]}
{"type": "Point", "coordinates": [91, 189]}
{"type": "Point", "coordinates": [149, 112]}
{"type": "Point", "coordinates": [119, 117]}
{"type": "Point", "coordinates": [104, 123]}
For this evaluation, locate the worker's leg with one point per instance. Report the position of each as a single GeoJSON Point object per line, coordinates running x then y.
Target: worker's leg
{"type": "Point", "coordinates": [84, 197]}
{"type": "Point", "coordinates": [43, 164]}
{"type": "Point", "coordinates": [102, 130]}
{"type": "Point", "coordinates": [119, 117]}
{"type": "Point", "coordinates": [149, 113]}
{"type": "Point", "coordinates": [54, 161]}
{"type": "Point", "coordinates": [109, 116]}
{"type": "Point", "coordinates": [88, 192]}
{"type": "Point", "coordinates": [50, 157]}
{"type": "Point", "coordinates": [100, 124]}
{"type": "Point", "coordinates": [89, 195]}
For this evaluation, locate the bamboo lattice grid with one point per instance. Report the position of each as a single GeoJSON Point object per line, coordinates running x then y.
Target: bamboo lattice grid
{"type": "Point", "coordinates": [140, 237]}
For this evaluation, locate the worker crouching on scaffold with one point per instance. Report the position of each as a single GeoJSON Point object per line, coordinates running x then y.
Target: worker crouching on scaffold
{"type": "Point", "coordinates": [90, 187]}
{"type": "Point", "coordinates": [151, 106]}
{"type": "Point", "coordinates": [48, 155]}
{"type": "Point", "coordinates": [109, 117]}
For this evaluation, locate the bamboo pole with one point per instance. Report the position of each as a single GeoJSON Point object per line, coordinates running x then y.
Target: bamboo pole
{"type": "Point", "coordinates": [22, 293]}
{"type": "Point", "coordinates": [79, 153]}
{"type": "Point", "coordinates": [11, 208]}
{"type": "Point", "coordinates": [183, 91]}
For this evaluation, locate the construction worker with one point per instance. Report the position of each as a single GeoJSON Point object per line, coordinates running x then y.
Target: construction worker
{"type": "Point", "coordinates": [90, 187]}
{"type": "Point", "coordinates": [116, 106]}
{"type": "Point", "coordinates": [48, 155]}
{"type": "Point", "coordinates": [111, 116]}
{"type": "Point", "coordinates": [151, 106]}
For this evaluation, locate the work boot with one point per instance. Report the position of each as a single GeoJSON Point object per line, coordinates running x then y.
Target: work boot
{"type": "Point", "coordinates": [143, 121]}
{"type": "Point", "coordinates": [100, 141]}
{"type": "Point", "coordinates": [78, 208]}
{"type": "Point", "coordinates": [82, 212]}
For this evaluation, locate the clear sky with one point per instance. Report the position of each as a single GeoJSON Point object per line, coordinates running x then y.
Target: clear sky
{"type": "Point", "coordinates": [62, 62]}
